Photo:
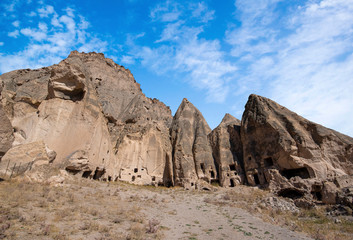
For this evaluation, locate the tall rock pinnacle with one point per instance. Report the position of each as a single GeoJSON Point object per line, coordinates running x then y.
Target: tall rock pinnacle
{"type": "Point", "coordinates": [192, 153]}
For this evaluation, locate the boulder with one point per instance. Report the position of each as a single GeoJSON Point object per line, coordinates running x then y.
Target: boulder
{"type": "Point", "coordinates": [329, 193]}
{"type": "Point", "coordinates": [24, 157]}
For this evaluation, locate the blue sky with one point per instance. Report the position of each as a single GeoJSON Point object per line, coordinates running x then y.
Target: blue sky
{"type": "Point", "coordinates": [298, 53]}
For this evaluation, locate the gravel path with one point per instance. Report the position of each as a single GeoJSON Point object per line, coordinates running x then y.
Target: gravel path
{"type": "Point", "coordinates": [187, 215]}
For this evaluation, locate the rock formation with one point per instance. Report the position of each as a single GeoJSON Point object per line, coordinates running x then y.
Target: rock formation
{"type": "Point", "coordinates": [88, 115]}
{"type": "Point", "coordinates": [227, 151]}
{"type": "Point", "coordinates": [92, 113]}
{"type": "Point", "coordinates": [192, 153]}
{"type": "Point", "coordinates": [290, 154]}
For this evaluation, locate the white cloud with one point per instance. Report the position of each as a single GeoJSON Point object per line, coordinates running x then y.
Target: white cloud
{"type": "Point", "coordinates": [11, 6]}
{"type": "Point", "coordinates": [166, 12]}
{"type": "Point", "coordinates": [204, 61]}
{"type": "Point", "coordinates": [200, 61]}
{"type": "Point", "coordinates": [52, 40]}
{"type": "Point", "coordinates": [1, 44]}
{"type": "Point", "coordinates": [38, 34]}
{"type": "Point", "coordinates": [16, 23]}
{"type": "Point", "coordinates": [14, 34]}
{"type": "Point", "coordinates": [202, 12]}
{"type": "Point", "coordinates": [31, 14]}
{"type": "Point", "coordinates": [127, 59]}
{"type": "Point", "coordinates": [306, 64]}
{"type": "Point", "coordinates": [45, 11]}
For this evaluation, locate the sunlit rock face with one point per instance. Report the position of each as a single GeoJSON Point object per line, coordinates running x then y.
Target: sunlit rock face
{"type": "Point", "coordinates": [93, 114]}
{"type": "Point", "coordinates": [285, 151]}
{"type": "Point", "coordinates": [192, 153]}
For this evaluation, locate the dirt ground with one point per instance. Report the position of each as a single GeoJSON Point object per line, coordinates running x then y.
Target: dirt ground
{"type": "Point", "coordinates": [86, 209]}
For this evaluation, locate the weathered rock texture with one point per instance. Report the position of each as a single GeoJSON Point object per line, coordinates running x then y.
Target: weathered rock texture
{"type": "Point", "coordinates": [227, 151]}
{"type": "Point", "coordinates": [23, 157]}
{"type": "Point", "coordinates": [289, 153]}
{"type": "Point", "coordinates": [6, 133]}
{"type": "Point", "coordinates": [98, 124]}
{"type": "Point", "coordinates": [92, 113]}
{"type": "Point", "coordinates": [192, 153]}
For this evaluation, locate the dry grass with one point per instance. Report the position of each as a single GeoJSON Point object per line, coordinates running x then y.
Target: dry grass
{"type": "Point", "coordinates": [81, 209]}
{"type": "Point", "coordinates": [86, 209]}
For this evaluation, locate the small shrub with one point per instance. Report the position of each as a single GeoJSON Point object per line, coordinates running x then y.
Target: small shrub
{"type": "Point", "coordinates": [153, 226]}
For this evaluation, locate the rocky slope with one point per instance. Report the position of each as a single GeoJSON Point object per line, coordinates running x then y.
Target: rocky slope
{"type": "Point", "coordinates": [89, 116]}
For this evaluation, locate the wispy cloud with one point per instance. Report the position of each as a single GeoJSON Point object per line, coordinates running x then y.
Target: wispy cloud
{"type": "Point", "coordinates": [55, 35]}
{"type": "Point", "coordinates": [166, 12]}
{"type": "Point", "coordinates": [13, 34]}
{"type": "Point", "coordinates": [181, 46]}
{"type": "Point", "coordinates": [302, 59]}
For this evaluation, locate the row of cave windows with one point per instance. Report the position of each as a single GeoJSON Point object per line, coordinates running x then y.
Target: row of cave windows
{"type": "Point", "coordinates": [98, 174]}
{"type": "Point", "coordinates": [288, 173]}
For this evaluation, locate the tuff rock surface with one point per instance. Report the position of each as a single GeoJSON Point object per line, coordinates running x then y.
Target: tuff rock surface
{"type": "Point", "coordinates": [192, 153]}
{"type": "Point", "coordinates": [93, 114]}
{"type": "Point", "coordinates": [227, 151]}
{"type": "Point", "coordinates": [290, 154]}
{"type": "Point", "coordinates": [88, 115]}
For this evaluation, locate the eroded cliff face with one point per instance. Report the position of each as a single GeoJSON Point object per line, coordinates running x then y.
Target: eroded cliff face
{"type": "Point", "coordinates": [92, 113]}
{"type": "Point", "coordinates": [192, 153]}
{"type": "Point", "coordinates": [89, 116]}
{"type": "Point", "coordinates": [289, 153]}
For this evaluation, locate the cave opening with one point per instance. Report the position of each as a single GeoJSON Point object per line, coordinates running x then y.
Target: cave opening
{"type": "Point", "coordinates": [98, 174]}
{"type": "Point", "coordinates": [73, 171]}
{"type": "Point", "coordinates": [317, 195]}
{"type": "Point", "coordinates": [291, 193]}
{"type": "Point", "coordinates": [232, 167]}
{"type": "Point", "coordinates": [212, 174]}
{"type": "Point", "coordinates": [256, 179]}
{"type": "Point", "coordinates": [268, 162]}
{"type": "Point", "coordinates": [202, 166]}
{"type": "Point", "coordinates": [232, 183]}
{"type": "Point", "coordinates": [300, 172]}
{"type": "Point", "coordinates": [86, 174]}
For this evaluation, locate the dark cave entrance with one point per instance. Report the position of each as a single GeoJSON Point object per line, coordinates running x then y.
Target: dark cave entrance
{"type": "Point", "coordinates": [256, 179]}
{"type": "Point", "coordinates": [86, 174]}
{"type": "Point", "coordinates": [232, 184]}
{"type": "Point", "coordinates": [300, 172]}
{"type": "Point", "coordinates": [268, 162]}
